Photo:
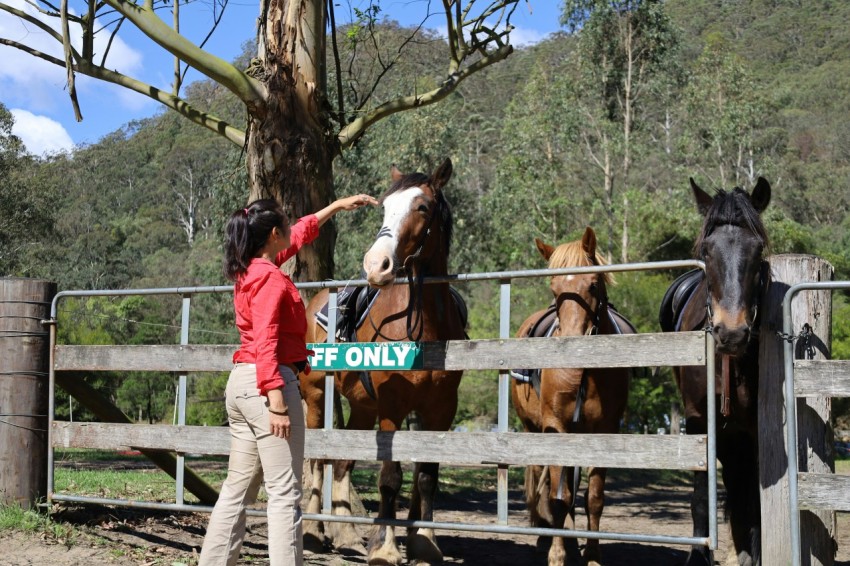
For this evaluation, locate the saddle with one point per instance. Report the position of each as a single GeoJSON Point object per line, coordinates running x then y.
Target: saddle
{"type": "Point", "coordinates": [677, 298]}
{"type": "Point", "coordinates": [353, 306]}
{"type": "Point", "coordinates": [546, 326]}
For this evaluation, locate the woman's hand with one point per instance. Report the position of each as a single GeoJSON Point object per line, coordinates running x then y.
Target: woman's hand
{"type": "Point", "coordinates": [355, 202]}
{"type": "Point", "coordinates": [347, 203]}
{"type": "Point", "coordinates": [279, 425]}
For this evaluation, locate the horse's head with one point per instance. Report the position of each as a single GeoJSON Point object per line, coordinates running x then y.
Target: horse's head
{"type": "Point", "coordinates": [580, 298]}
{"type": "Point", "coordinates": [732, 243]}
{"type": "Point", "coordinates": [416, 229]}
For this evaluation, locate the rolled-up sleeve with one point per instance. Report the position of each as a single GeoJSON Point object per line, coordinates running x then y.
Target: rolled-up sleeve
{"type": "Point", "coordinates": [265, 313]}
{"type": "Point", "coordinates": [303, 232]}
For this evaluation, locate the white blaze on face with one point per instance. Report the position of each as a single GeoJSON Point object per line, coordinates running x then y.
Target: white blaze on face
{"type": "Point", "coordinates": [380, 260]}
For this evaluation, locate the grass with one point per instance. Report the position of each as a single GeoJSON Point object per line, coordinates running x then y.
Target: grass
{"type": "Point", "coordinates": [14, 518]}
{"type": "Point", "coordinates": [93, 473]}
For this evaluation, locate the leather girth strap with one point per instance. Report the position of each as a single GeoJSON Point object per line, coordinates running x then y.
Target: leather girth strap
{"type": "Point", "coordinates": [725, 388]}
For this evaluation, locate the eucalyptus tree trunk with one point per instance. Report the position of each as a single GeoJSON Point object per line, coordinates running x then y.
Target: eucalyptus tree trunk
{"type": "Point", "coordinates": [290, 145]}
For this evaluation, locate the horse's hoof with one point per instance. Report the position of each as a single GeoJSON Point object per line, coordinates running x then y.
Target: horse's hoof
{"type": "Point", "coordinates": [422, 548]}
{"type": "Point", "coordinates": [592, 558]}
{"type": "Point", "coordinates": [345, 536]}
{"type": "Point", "coordinates": [557, 557]}
{"type": "Point", "coordinates": [314, 543]}
{"type": "Point", "coordinates": [386, 555]}
{"type": "Point", "coordinates": [383, 550]}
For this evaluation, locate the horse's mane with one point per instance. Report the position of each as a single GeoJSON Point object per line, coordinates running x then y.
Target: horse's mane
{"type": "Point", "coordinates": [443, 208]}
{"type": "Point", "coordinates": [732, 208]}
{"type": "Point", "coordinates": [572, 254]}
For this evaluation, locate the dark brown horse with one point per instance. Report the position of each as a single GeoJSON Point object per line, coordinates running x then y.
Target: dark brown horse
{"type": "Point", "coordinates": [732, 244]}
{"type": "Point", "coordinates": [413, 242]}
{"type": "Point", "coordinates": [582, 308]}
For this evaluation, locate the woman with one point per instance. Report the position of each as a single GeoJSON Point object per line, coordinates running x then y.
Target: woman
{"type": "Point", "coordinates": [263, 401]}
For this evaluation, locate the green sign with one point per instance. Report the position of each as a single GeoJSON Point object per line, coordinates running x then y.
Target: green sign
{"type": "Point", "coordinates": [365, 356]}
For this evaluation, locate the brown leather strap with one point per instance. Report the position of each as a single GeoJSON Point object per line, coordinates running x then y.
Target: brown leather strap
{"type": "Point", "coordinates": [725, 390]}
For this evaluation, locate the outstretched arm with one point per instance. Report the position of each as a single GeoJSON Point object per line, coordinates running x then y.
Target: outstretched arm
{"type": "Point", "coordinates": [348, 203]}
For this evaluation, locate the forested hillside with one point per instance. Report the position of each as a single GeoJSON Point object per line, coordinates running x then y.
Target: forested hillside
{"type": "Point", "coordinates": [599, 125]}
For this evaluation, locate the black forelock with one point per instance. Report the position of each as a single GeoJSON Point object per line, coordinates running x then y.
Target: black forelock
{"type": "Point", "coordinates": [731, 208]}
{"type": "Point", "coordinates": [407, 181]}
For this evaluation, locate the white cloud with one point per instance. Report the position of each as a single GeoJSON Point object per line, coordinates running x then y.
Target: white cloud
{"type": "Point", "coordinates": [28, 81]}
{"type": "Point", "coordinates": [523, 37]}
{"type": "Point", "coordinates": [39, 133]}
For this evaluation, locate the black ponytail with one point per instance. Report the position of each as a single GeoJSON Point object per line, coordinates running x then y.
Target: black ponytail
{"type": "Point", "coordinates": [247, 232]}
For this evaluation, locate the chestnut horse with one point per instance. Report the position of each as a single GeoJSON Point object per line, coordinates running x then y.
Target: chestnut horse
{"type": "Point", "coordinates": [725, 301]}
{"type": "Point", "coordinates": [414, 242]}
{"type": "Point", "coordinates": [581, 302]}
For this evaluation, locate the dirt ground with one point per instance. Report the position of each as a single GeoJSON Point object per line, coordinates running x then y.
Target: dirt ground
{"type": "Point", "coordinates": [108, 536]}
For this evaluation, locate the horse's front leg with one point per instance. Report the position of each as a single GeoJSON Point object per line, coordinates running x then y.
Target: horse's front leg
{"type": "Point", "coordinates": [345, 535]}
{"type": "Point", "coordinates": [382, 546]}
{"type": "Point", "coordinates": [563, 550]}
{"type": "Point", "coordinates": [595, 498]}
{"type": "Point", "coordinates": [422, 543]}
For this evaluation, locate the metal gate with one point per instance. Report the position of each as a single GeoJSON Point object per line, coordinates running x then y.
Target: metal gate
{"type": "Point", "coordinates": [500, 449]}
{"type": "Point", "coordinates": [810, 378]}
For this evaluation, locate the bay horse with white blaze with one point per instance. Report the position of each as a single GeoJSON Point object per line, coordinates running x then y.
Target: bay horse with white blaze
{"type": "Point", "coordinates": [572, 400]}
{"type": "Point", "coordinates": [414, 242]}
{"type": "Point", "coordinates": [725, 301]}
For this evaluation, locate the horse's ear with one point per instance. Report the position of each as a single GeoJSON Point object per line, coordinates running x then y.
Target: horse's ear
{"type": "Point", "coordinates": [760, 196]}
{"type": "Point", "coordinates": [588, 242]}
{"type": "Point", "coordinates": [545, 249]}
{"type": "Point", "coordinates": [395, 174]}
{"type": "Point", "coordinates": [441, 176]}
{"type": "Point", "coordinates": [703, 199]}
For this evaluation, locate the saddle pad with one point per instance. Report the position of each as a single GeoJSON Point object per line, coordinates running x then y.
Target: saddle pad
{"type": "Point", "coordinates": [676, 299]}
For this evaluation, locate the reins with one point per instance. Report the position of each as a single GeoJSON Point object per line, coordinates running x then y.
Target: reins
{"type": "Point", "coordinates": [601, 306]}
{"type": "Point", "coordinates": [725, 359]}
{"type": "Point", "coordinates": [415, 285]}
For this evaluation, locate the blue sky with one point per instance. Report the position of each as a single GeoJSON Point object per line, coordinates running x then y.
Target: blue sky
{"type": "Point", "coordinates": [35, 90]}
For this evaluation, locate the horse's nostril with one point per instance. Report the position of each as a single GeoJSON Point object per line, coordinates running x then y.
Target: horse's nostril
{"type": "Point", "coordinates": [386, 264]}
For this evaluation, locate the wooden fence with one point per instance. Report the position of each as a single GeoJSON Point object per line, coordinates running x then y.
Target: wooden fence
{"type": "Point", "coordinates": [682, 452]}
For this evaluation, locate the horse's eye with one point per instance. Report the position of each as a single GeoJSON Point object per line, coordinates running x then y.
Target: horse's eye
{"type": "Point", "coordinates": [423, 209]}
{"type": "Point", "coordinates": [593, 287]}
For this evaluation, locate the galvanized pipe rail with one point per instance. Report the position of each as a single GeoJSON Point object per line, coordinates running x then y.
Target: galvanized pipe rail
{"type": "Point", "coordinates": [791, 406]}
{"type": "Point", "coordinates": [505, 278]}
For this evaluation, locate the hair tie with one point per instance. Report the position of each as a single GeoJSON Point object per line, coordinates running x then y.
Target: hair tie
{"type": "Point", "coordinates": [245, 210]}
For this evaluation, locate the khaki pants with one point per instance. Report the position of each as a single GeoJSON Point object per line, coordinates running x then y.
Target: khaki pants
{"type": "Point", "coordinates": [256, 454]}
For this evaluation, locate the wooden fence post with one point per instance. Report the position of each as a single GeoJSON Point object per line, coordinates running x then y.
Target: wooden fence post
{"type": "Point", "coordinates": [24, 359]}
{"type": "Point", "coordinates": [814, 431]}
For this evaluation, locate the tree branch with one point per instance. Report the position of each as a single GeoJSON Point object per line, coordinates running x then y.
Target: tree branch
{"type": "Point", "coordinates": [180, 106]}
{"type": "Point", "coordinates": [217, 16]}
{"type": "Point", "coordinates": [33, 52]}
{"type": "Point", "coordinates": [355, 129]}
{"type": "Point", "coordinates": [38, 23]}
{"type": "Point", "coordinates": [69, 63]}
{"type": "Point", "coordinates": [111, 39]}
{"type": "Point", "coordinates": [249, 90]}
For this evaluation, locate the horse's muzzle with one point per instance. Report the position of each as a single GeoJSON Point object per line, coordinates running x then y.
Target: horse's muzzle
{"type": "Point", "coordinates": [731, 341]}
